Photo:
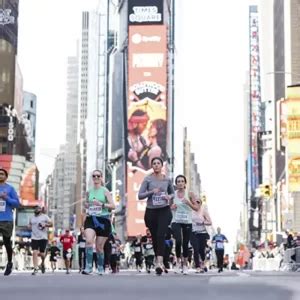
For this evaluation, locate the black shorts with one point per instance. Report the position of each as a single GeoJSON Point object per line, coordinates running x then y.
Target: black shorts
{"type": "Point", "coordinates": [105, 231]}
{"type": "Point", "coordinates": [65, 252]}
{"type": "Point", "coordinates": [39, 245]}
{"type": "Point", "coordinates": [53, 258]}
{"type": "Point", "coordinates": [6, 228]}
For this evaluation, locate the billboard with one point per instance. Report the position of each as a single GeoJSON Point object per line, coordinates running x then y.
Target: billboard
{"type": "Point", "coordinates": [255, 101]}
{"type": "Point", "coordinates": [8, 49]}
{"type": "Point", "coordinates": [145, 12]}
{"type": "Point", "coordinates": [293, 138]}
{"type": "Point", "coordinates": [146, 113]}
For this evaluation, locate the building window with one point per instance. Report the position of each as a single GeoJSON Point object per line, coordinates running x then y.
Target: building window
{"type": "Point", "coordinates": [31, 104]}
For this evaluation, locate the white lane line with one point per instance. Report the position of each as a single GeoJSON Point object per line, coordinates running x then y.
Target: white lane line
{"type": "Point", "coordinates": [243, 274]}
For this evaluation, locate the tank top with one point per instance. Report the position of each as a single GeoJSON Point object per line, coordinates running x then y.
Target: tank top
{"type": "Point", "coordinates": [198, 223]}
{"type": "Point", "coordinates": [99, 195]}
{"type": "Point", "coordinates": [183, 213]}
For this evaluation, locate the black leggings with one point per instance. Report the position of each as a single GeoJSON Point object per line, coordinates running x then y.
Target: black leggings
{"type": "Point", "coordinates": [158, 220]}
{"type": "Point", "coordinates": [182, 235]}
{"type": "Point", "coordinates": [81, 258]}
{"type": "Point", "coordinates": [8, 247]}
{"type": "Point", "coordinates": [198, 241]}
{"type": "Point", "coordinates": [220, 258]}
{"type": "Point", "coordinates": [138, 259]}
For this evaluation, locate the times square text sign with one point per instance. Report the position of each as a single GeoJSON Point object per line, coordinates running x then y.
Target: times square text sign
{"type": "Point", "coordinates": [5, 17]}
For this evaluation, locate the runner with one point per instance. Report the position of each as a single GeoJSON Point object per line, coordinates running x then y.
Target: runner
{"type": "Point", "coordinates": [184, 203]}
{"type": "Point", "coordinates": [67, 241]}
{"type": "Point", "coordinates": [115, 253]}
{"type": "Point", "coordinates": [54, 255]}
{"type": "Point", "coordinates": [81, 250]}
{"type": "Point", "coordinates": [138, 252]}
{"type": "Point", "coordinates": [97, 223]}
{"type": "Point", "coordinates": [199, 236]}
{"type": "Point", "coordinates": [158, 189]}
{"type": "Point", "coordinates": [148, 250]}
{"type": "Point", "coordinates": [219, 240]}
{"type": "Point", "coordinates": [39, 225]}
{"type": "Point", "coordinates": [8, 201]}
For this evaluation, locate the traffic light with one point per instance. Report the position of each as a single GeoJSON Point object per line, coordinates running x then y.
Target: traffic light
{"type": "Point", "coordinates": [265, 190]}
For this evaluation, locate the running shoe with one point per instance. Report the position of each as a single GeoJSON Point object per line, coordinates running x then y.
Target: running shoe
{"type": "Point", "coordinates": [8, 269]}
{"type": "Point", "coordinates": [35, 271]}
{"type": "Point", "coordinates": [185, 270]}
{"type": "Point", "coordinates": [198, 270]}
{"type": "Point", "coordinates": [100, 271]}
{"type": "Point", "coordinates": [86, 272]}
{"type": "Point", "coordinates": [158, 270]}
{"type": "Point", "coordinates": [177, 270]}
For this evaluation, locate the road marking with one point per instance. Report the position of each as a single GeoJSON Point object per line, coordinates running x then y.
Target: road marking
{"type": "Point", "coordinates": [243, 274]}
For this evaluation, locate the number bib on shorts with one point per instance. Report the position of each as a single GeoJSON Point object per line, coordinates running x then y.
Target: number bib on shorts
{"type": "Point", "coordinates": [82, 245]}
{"type": "Point", "coordinates": [181, 217]}
{"type": "Point", "coordinates": [149, 246]}
{"type": "Point", "coordinates": [95, 210]}
{"type": "Point", "coordinates": [158, 200]}
{"type": "Point", "coordinates": [137, 249]}
{"type": "Point", "coordinates": [2, 205]}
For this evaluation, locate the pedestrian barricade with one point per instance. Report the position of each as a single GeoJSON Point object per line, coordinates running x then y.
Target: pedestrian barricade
{"type": "Point", "coordinates": [266, 264]}
{"type": "Point", "coordinates": [291, 259]}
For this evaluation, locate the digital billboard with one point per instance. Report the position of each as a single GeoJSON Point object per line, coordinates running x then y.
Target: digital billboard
{"type": "Point", "coordinates": [293, 138]}
{"type": "Point", "coordinates": [146, 113]}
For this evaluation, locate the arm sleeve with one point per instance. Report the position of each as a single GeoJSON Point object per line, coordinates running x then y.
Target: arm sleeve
{"type": "Point", "coordinates": [13, 199]}
{"type": "Point", "coordinates": [143, 192]}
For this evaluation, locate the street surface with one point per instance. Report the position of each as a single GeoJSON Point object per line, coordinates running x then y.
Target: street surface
{"type": "Point", "coordinates": [129, 285]}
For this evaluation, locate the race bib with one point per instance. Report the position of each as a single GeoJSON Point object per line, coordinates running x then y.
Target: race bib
{"type": "Point", "coordinates": [137, 249]}
{"type": "Point", "coordinates": [181, 217]}
{"type": "Point", "coordinates": [113, 250]}
{"type": "Point", "coordinates": [158, 200]}
{"type": "Point", "coordinates": [219, 245]}
{"type": "Point", "coordinates": [199, 227]}
{"type": "Point", "coordinates": [82, 245]}
{"type": "Point", "coordinates": [2, 205]}
{"type": "Point", "coordinates": [95, 210]}
{"type": "Point", "coordinates": [149, 246]}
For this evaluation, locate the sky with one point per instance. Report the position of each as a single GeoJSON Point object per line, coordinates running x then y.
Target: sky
{"type": "Point", "coordinates": [211, 65]}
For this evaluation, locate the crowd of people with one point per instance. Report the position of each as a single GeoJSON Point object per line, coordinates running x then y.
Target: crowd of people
{"type": "Point", "coordinates": [175, 219]}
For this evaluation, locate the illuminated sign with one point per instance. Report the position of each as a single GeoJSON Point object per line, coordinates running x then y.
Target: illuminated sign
{"type": "Point", "coordinates": [145, 12]}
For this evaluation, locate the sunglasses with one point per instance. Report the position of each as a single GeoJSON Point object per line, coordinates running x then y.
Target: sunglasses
{"type": "Point", "coordinates": [97, 176]}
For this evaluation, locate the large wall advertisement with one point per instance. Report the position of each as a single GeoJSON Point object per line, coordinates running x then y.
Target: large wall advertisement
{"type": "Point", "coordinates": [146, 113]}
{"type": "Point", "coordinates": [8, 49]}
{"type": "Point", "coordinates": [255, 101]}
{"type": "Point", "coordinates": [293, 138]}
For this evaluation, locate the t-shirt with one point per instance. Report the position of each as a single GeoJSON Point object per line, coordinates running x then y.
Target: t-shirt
{"type": "Point", "coordinates": [183, 213]}
{"type": "Point", "coordinates": [98, 195]}
{"type": "Point", "coordinates": [219, 240]}
{"type": "Point", "coordinates": [81, 241]}
{"type": "Point", "coordinates": [137, 246]}
{"type": "Point", "coordinates": [67, 241]}
{"type": "Point", "coordinates": [38, 229]}
{"type": "Point", "coordinates": [157, 200]}
{"type": "Point", "coordinates": [7, 206]}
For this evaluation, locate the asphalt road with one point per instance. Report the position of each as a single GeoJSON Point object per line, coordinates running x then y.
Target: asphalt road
{"type": "Point", "coordinates": [130, 286]}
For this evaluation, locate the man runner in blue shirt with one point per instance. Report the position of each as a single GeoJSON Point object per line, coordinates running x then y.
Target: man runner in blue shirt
{"type": "Point", "coordinates": [219, 240]}
{"type": "Point", "coordinates": [8, 201]}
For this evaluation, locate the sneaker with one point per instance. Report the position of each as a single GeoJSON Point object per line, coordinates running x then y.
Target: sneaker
{"type": "Point", "coordinates": [198, 270]}
{"type": "Point", "coordinates": [86, 272]}
{"type": "Point", "coordinates": [100, 271]}
{"type": "Point", "coordinates": [35, 271]}
{"type": "Point", "coordinates": [185, 270]}
{"type": "Point", "coordinates": [166, 270]}
{"type": "Point", "coordinates": [68, 272]}
{"type": "Point", "coordinates": [158, 270]}
{"type": "Point", "coordinates": [8, 269]}
{"type": "Point", "coordinates": [177, 270]}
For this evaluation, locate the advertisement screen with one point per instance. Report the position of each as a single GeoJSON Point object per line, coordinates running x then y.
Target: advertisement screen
{"type": "Point", "coordinates": [145, 12]}
{"type": "Point", "coordinates": [146, 112]}
{"type": "Point", "coordinates": [293, 138]}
